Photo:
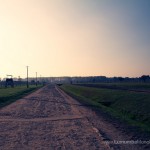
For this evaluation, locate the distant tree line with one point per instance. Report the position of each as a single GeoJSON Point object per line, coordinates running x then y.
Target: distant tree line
{"type": "Point", "coordinates": [75, 80]}
{"type": "Point", "coordinates": [97, 79]}
{"type": "Point", "coordinates": [19, 82]}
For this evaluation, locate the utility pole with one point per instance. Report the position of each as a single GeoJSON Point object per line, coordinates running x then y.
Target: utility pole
{"type": "Point", "coordinates": [40, 80]}
{"type": "Point", "coordinates": [27, 78]}
{"type": "Point", "coordinates": [36, 78]}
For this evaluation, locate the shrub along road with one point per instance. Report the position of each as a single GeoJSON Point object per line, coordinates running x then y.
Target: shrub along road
{"type": "Point", "coordinates": [49, 119]}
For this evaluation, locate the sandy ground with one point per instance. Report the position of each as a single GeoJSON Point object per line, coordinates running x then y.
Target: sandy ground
{"type": "Point", "coordinates": [48, 119]}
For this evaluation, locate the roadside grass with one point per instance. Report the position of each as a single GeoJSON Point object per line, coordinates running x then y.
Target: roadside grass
{"type": "Point", "coordinates": [129, 106]}
{"type": "Point", "coordinates": [9, 95]}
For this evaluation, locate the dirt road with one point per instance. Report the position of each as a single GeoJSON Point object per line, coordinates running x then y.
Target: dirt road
{"type": "Point", "coordinates": [48, 119]}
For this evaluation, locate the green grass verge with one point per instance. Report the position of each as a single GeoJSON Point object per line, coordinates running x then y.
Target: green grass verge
{"type": "Point", "coordinates": [132, 107]}
{"type": "Point", "coordinates": [9, 95]}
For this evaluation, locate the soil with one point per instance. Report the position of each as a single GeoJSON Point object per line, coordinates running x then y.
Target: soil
{"type": "Point", "coordinates": [49, 119]}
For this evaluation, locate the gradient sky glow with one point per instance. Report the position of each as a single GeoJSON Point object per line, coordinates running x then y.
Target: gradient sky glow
{"type": "Point", "coordinates": [75, 37]}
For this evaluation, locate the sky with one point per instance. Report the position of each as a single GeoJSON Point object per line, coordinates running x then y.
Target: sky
{"type": "Point", "coordinates": [75, 37]}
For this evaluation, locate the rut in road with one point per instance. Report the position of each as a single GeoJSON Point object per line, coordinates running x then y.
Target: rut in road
{"type": "Point", "coordinates": [49, 119]}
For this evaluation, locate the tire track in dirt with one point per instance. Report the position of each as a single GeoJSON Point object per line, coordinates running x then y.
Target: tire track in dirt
{"type": "Point", "coordinates": [42, 119]}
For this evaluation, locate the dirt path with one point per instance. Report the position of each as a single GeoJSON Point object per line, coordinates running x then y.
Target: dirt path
{"type": "Point", "coordinates": [50, 120]}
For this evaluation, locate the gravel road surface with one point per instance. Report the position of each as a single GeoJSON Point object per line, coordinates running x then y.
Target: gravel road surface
{"type": "Point", "coordinates": [48, 119]}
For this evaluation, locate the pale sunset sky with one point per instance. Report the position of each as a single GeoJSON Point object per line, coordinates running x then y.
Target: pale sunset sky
{"type": "Point", "coordinates": [75, 37]}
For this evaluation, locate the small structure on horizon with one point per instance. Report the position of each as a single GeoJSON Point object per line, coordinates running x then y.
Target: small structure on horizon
{"type": "Point", "coordinates": [9, 81]}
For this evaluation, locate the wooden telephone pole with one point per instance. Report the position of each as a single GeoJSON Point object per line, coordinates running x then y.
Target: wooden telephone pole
{"type": "Point", "coordinates": [36, 78]}
{"type": "Point", "coordinates": [27, 78]}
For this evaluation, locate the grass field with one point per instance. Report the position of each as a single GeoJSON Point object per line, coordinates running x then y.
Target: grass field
{"type": "Point", "coordinates": [9, 95]}
{"type": "Point", "coordinates": [124, 86]}
{"type": "Point", "coordinates": [131, 106]}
